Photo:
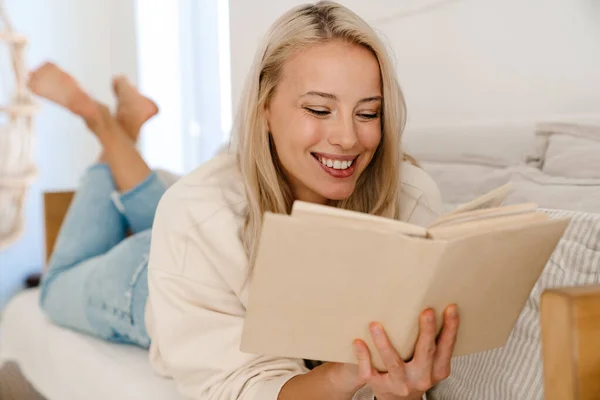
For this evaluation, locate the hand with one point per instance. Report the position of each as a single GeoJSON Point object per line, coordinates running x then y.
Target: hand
{"type": "Point", "coordinates": [403, 380]}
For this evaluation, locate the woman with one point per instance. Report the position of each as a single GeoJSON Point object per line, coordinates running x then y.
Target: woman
{"type": "Point", "coordinates": [320, 121]}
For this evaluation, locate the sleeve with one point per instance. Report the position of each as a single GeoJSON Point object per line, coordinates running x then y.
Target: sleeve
{"type": "Point", "coordinates": [421, 201]}
{"type": "Point", "coordinates": [197, 320]}
{"type": "Point", "coordinates": [430, 198]}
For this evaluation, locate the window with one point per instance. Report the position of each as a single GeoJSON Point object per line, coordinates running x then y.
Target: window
{"type": "Point", "coordinates": [184, 64]}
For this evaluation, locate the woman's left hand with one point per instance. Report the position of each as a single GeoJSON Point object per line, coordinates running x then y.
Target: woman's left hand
{"type": "Point", "coordinates": [410, 380]}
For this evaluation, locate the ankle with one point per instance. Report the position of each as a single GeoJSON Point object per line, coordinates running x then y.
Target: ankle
{"type": "Point", "coordinates": [112, 140]}
{"type": "Point", "coordinates": [131, 129]}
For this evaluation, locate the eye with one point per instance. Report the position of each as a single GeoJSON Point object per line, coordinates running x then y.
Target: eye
{"type": "Point", "coordinates": [318, 113]}
{"type": "Point", "coordinates": [369, 116]}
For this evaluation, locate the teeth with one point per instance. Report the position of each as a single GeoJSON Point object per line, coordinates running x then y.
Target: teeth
{"type": "Point", "coordinates": [335, 164]}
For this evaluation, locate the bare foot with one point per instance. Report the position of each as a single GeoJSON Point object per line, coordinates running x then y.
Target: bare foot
{"type": "Point", "coordinates": [54, 84]}
{"type": "Point", "coordinates": [133, 108]}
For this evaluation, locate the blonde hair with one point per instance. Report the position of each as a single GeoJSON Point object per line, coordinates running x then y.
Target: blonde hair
{"type": "Point", "coordinates": [266, 188]}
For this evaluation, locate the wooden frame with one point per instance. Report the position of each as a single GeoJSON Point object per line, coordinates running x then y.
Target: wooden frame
{"type": "Point", "coordinates": [570, 322]}
{"type": "Point", "coordinates": [56, 205]}
{"type": "Point", "coordinates": [570, 319]}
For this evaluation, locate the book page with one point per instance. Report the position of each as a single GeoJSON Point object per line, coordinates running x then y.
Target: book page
{"type": "Point", "coordinates": [491, 199]}
{"type": "Point", "coordinates": [478, 226]}
{"type": "Point", "coordinates": [481, 214]}
{"type": "Point", "coordinates": [323, 214]}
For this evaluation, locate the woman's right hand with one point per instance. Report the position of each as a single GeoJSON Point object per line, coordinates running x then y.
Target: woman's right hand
{"type": "Point", "coordinates": [403, 380]}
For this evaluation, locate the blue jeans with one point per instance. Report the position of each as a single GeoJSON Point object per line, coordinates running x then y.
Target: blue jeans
{"type": "Point", "coordinates": [97, 278]}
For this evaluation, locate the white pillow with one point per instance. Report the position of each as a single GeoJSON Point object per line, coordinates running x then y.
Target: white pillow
{"type": "Point", "coordinates": [532, 185]}
{"type": "Point", "coordinates": [572, 157]}
{"type": "Point", "coordinates": [571, 150]}
{"type": "Point", "coordinates": [168, 178]}
{"type": "Point", "coordinates": [461, 183]}
{"type": "Point", "coordinates": [495, 146]}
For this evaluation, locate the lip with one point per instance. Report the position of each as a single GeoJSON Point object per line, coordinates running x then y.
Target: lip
{"type": "Point", "coordinates": [336, 173]}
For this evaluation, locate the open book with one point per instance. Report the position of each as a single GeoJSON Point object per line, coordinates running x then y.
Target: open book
{"type": "Point", "coordinates": [323, 274]}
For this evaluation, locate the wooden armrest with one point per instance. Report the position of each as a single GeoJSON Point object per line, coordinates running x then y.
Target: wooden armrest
{"type": "Point", "coordinates": [570, 320]}
{"type": "Point", "coordinates": [56, 205]}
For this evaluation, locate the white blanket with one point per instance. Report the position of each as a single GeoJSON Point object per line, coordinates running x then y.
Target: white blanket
{"type": "Point", "coordinates": [65, 365]}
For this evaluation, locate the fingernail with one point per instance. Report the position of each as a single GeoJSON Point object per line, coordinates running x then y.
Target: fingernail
{"type": "Point", "coordinates": [377, 329]}
{"type": "Point", "coordinates": [452, 312]}
{"type": "Point", "coordinates": [429, 316]}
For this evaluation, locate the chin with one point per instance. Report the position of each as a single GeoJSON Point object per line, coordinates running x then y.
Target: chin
{"type": "Point", "coordinates": [340, 193]}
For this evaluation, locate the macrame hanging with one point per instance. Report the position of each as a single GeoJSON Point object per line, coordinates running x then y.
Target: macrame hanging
{"type": "Point", "coordinates": [17, 108]}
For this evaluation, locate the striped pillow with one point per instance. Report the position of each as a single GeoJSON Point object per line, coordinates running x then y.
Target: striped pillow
{"type": "Point", "coordinates": [515, 371]}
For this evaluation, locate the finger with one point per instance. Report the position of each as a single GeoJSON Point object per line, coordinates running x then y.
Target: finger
{"type": "Point", "coordinates": [365, 369]}
{"type": "Point", "coordinates": [422, 362]}
{"type": "Point", "coordinates": [445, 344]}
{"type": "Point", "coordinates": [389, 356]}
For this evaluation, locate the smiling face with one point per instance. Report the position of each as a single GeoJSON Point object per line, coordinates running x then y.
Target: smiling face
{"type": "Point", "coordinates": [325, 119]}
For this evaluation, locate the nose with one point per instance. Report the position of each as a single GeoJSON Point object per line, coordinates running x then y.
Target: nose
{"type": "Point", "coordinates": [343, 134]}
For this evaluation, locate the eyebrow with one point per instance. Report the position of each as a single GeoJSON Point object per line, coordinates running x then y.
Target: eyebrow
{"type": "Point", "coordinates": [334, 97]}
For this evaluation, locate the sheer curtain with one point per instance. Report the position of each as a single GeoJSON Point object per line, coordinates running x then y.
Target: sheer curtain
{"type": "Point", "coordinates": [184, 65]}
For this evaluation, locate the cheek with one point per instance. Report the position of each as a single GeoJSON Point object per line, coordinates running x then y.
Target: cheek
{"type": "Point", "coordinates": [370, 136]}
{"type": "Point", "coordinates": [304, 133]}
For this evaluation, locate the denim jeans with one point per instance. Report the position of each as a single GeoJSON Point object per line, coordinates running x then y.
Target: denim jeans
{"type": "Point", "coordinates": [97, 277]}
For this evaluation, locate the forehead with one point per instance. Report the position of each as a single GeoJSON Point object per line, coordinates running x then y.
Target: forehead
{"type": "Point", "coordinates": [346, 70]}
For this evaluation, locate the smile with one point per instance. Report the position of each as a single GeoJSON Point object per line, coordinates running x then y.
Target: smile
{"type": "Point", "coordinates": [336, 166]}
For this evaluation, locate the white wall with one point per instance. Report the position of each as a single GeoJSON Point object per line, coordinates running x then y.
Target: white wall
{"type": "Point", "coordinates": [467, 60]}
{"type": "Point", "coordinates": [92, 40]}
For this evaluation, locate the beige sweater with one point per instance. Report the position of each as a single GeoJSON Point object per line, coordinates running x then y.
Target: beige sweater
{"type": "Point", "coordinates": [198, 289]}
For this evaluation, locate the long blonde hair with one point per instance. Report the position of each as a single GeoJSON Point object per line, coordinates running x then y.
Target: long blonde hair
{"type": "Point", "coordinates": [266, 188]}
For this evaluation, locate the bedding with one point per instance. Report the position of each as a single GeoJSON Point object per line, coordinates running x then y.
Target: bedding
{"type": "Point", "coordinates": [467, 161]}
{"type": "Point", "coordinates": [493, 146]}
{"type": "Point", "coordinates": [65, 365]}
{"type": "Point", "coordinates": [556, 165]}
{"type": "Point", "coordinates": [529, 184]}
{"type": "Point", "coordinates": [461, 183]}
{"type": "Point", "coordinates": [570, 150]}
{"type": "Point", "coordinates": [168, 178]}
